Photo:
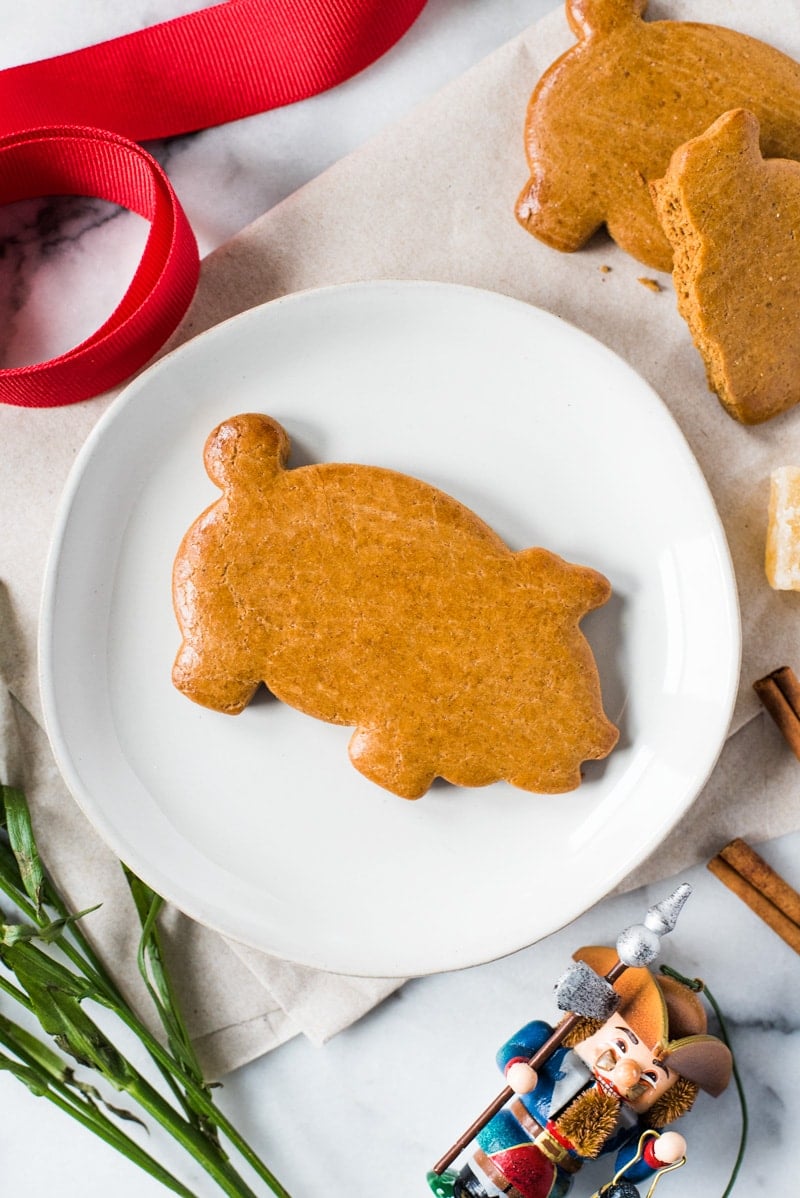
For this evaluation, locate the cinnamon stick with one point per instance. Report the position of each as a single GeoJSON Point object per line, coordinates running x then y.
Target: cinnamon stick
{"type": "Point", "coordinates": [764, 891]}
{"type": "Point", "coordinates": [780, 694]}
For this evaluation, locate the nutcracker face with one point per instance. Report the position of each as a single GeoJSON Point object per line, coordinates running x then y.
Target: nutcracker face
{"type": "Point", "coordinates": [625, 1065]}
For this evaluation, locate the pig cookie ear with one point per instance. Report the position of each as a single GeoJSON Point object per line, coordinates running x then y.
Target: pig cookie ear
{"type": "Point", "coordinates": [245, 448]}
{"type": "Point", "coordinates": [578, 588]}
{"type": "Point", "coordinates": [601, 16]}
{"type": "Point", "coordinates": [734, 136]}
{"type": "Point", "coordinates": [735, 132]}
{"type": "Point", "coordinates": [589, 589]}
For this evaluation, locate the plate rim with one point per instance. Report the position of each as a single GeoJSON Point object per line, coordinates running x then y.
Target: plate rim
{"type": "Point", "coordinates": [95, 812]}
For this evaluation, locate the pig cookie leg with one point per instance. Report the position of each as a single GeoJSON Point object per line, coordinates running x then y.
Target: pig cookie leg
{"type": "Point", "coordinates": [561, 777]}
{"type": "Point", "coordinates": [389, 756]}
{"type": "Point", "coordinates": [211, 685]}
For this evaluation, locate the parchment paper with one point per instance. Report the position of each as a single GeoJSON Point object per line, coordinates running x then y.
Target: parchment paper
{"type": "Point", "coordinates": [431, 198]}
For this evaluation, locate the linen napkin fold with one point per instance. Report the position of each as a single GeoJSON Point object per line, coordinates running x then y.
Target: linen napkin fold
{"type": "Point", "coordinates": [431, 198]}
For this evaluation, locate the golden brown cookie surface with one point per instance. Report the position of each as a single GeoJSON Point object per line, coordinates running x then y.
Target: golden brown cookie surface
{"type": "Point", "coordinates": [365, 597]}
{"type": "Point", "coordinates": [734, 221]}
{"type": "Point", "coordinates": [606, 117]}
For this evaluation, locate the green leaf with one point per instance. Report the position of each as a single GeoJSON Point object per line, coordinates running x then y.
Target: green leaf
{"type": "Point", "coordinates": [35, 1054]}
{"type": "Point", "coordinates": [23, 844]}
{"type": "Point", "coordinates": [22, 1042]}
{"type": "Point", "coordinates": [56, 995]}
{"type": "Point", "coordinates": [93, 1095]}
{"type": "Point", "coordinates": [27, 1076]}
{"type": "Point", "coordinates": [151, 967]}
{"type": "Point", "coordinates": [14, 933]}
{"type": "Point", "coordinates": [84, 1041]}
{"type": "Point", "coordinates": [48, 933]}
{"type": "Point", "coordinates": [36, 969]}
{"type": "Point", "coordinates": [80, 1036]}
{"type": "Point", "coordinates": [51, 932]}
{"type": "Point", "coordinates": [154, 974]}
{"type": "Point", "coordinates": [10, 877]}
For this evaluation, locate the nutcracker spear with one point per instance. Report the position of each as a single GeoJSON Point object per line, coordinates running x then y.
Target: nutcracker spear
{"type": "Point", "coordinates": [637, 946]}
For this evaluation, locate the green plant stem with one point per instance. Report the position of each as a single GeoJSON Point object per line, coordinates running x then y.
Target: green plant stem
{"type": "Point", "coordinates": [84, 1112]}
{"type": "Point", "coordinates": [150, 959]}
{"type": "Point", "coordinates": [111, 1135]}
{"type": "Point", "coordinates": [168, 1009]}
{"type": "Point", "coordinates": [18, 995]}
{"type": "Point", "coordinates": [206, 1105]}
{"type": "Point", "coordinates": [193, 1140]}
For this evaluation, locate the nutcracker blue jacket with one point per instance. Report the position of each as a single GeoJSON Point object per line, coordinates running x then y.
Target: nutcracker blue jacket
{"type": "Point", "coordinates": [561, 1078]}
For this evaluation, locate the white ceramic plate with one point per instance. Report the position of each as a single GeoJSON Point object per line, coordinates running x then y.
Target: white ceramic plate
{"type": "Point", "coordinates": [257, 824]}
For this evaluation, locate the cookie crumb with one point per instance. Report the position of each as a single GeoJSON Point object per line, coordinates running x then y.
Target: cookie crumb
{"type": "Point", "coordinates": [605, 270]}
{"type": "Point", "coordinates": [651, 284]}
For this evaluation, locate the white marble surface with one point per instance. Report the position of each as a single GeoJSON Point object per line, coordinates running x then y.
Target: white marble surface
{"type": "Point", "coordinates": [371, 1111]}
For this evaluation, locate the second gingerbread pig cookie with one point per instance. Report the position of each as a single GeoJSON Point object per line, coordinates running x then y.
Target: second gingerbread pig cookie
{"type": "Point", "coordinates": [365, 597]}
{"type": "Point", "coordinates": [734, 221]}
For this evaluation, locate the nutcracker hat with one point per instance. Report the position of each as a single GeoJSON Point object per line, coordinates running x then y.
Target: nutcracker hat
{"type": "Point", "coordinates": [670, 1017]}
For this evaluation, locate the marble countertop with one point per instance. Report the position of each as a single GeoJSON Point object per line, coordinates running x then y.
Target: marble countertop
{"type": "Point", "coordinates": [370, 1112]}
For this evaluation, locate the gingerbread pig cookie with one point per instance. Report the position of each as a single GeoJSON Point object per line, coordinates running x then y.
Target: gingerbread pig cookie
{"type": "Point", "coordinates": [734, 222]}
{"type": "Point", "coordinates": [606, 117]}
{"type": "Point", "coordinates": [365, 597]}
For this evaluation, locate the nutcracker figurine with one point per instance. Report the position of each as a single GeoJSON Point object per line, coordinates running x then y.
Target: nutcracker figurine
{"type": "Point", "coordinates": [627, 1061]}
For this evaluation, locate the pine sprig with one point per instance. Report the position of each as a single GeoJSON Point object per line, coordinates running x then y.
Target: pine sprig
{"type": "Point", "coordinates": [55, 971]}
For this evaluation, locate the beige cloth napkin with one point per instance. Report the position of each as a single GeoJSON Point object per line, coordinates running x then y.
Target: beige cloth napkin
{"type": "Point", "coordinates": [431, 198]}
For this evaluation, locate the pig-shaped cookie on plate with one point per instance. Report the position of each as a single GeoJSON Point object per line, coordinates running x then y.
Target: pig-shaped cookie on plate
{"type": "Point", "coordinates": [368, 598]}
{"type": "Point", "coordinates": [607, 115]}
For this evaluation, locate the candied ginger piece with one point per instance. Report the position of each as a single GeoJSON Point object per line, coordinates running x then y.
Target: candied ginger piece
{"type": "Point", "coordinates": [783, 530]}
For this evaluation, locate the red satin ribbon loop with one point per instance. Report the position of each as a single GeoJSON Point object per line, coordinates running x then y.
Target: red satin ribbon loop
{"type": "Point", "coordinates": [206, 68]}
{"type": "Point", "coordinates": [92, 162]}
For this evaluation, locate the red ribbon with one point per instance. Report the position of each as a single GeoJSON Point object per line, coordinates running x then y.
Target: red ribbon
{"type": "Point", "coordinates": [84, 112]}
